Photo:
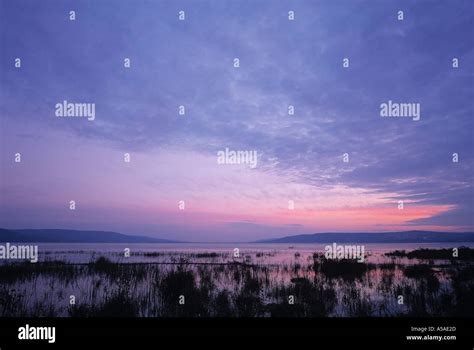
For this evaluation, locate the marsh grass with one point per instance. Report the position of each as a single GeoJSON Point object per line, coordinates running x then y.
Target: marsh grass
{"type": "Point", "coordinates": [464, 253]}
{"type": "Point", "coordinates": [345, 269]}
{"type": "Point", "coordinates": [216, 288]}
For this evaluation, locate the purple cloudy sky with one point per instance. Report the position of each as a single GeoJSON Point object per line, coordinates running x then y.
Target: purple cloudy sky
{"type": "Point", "coordinates": [282, 63]}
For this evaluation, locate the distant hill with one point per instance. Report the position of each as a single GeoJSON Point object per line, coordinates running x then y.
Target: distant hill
{"type": "Point", "coordinates": [73, 236]}
{"type": "Point", "coordinates": [381, 237]}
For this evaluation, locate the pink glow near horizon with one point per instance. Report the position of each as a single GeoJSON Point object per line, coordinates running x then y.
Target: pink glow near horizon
{"type": "Point", "coordinates": [217, 198]}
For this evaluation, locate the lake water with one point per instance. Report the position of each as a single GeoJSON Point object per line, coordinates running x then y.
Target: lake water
{"type": "Point", "coordinates": [256, 283]}
{"type": "Point", "coordinates": [260, 253]}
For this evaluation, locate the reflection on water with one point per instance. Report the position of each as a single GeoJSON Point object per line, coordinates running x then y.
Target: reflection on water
{"type": "Point", "coordinates": [264, 280]}
{"type": "Point", "coordinates": [260, 253]}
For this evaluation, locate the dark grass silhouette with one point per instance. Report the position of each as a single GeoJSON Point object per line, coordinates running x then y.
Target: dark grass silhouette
{"type": "Point", "coordinates": [315, 288]}
{"type": "Point", "coordinates": [463, 253]}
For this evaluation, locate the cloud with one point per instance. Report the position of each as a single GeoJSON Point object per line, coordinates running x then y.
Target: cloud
{"type": "Point", "coordinates": [299, 63]}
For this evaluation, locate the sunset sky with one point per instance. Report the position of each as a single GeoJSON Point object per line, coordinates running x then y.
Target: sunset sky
{"type": "Point", "coordinates": [282, 63]}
